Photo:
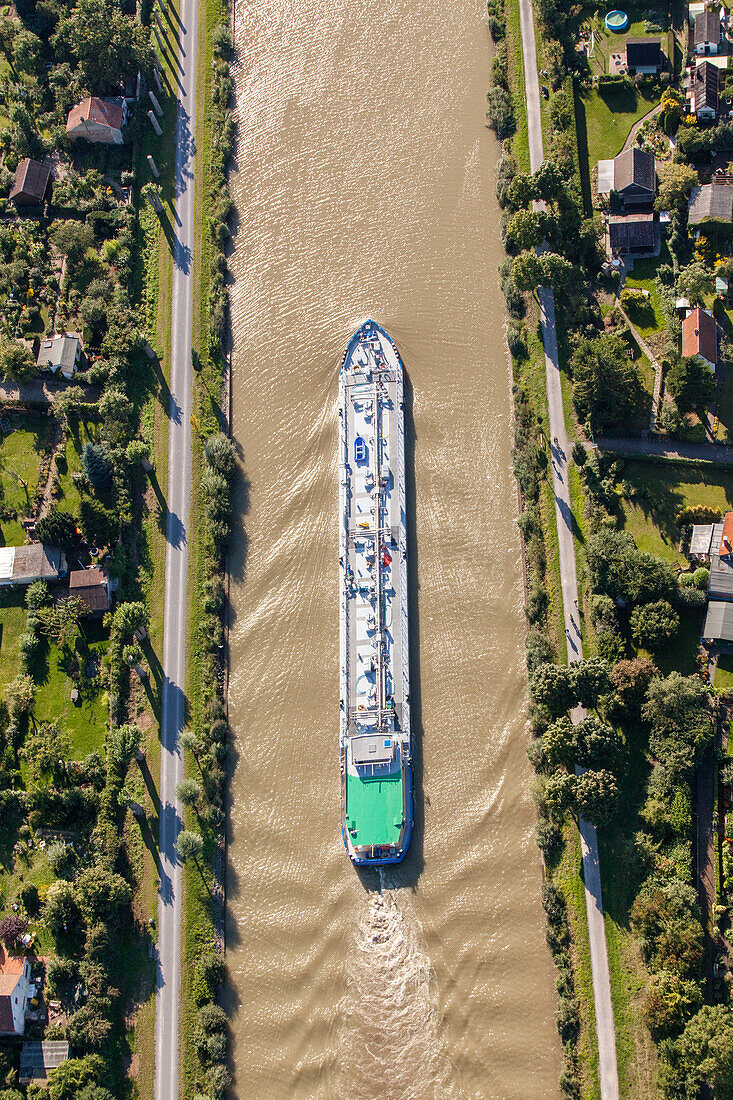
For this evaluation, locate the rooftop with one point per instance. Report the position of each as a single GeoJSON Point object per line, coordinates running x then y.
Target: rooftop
{"type": "Point", "coordinates": [38, 1057]}
{"type": "Point", "coordinates": [31, 180]}
{"type": "Point", "coordinates": [59, 351]}
{"type": "Point", "coordinates": [710, 201]}
{"type": "Point", "coordinates": [707, 27]}
{"type": "Point", "coordinates": [719, 621]}
{"type": "Point", "coordinates": [705, 86]}
{"type": "Point", "coordinates": [90, 586]}
{"type": "Point", "coordinates": [631, 231]}
{"type": "Point", "coordinates": [643, 52]}
{"type": "Point", "coordinates": [634, 166]}
{"type": "Point", "coordinates": [105, 112]}
{"type": "Point", "coordinates": [33, 560]}
{"type": "Point", "coordinates": [700, 335]}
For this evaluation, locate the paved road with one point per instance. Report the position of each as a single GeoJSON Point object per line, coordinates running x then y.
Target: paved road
{"type": "Point", "coordinates": [694, 452]}
{"type": "Point", "coordinates": [607, 1070]}
{"type": "Point", "coordinates": [176, 569]}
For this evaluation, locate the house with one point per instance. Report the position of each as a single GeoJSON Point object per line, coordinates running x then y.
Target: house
{"type": "Point", "coordinates": [632, 174]}
{"type": "Point", "coordinates": [15, 992]}
{"type": "Point", "coordinates": [720, 584]}
{"type": "Point", "coordinates": [644, 55]}
{"type": "Point", "coordinates": [700, 336]}
{"type": "Point", "coordinates": [34, 562]}
{"type": "Point", "coordinates": [61, 352]}
{"type": "Point", "coordinates": [32, 183]}
{"type": "Point", "coordinates": [711, 202]}
{"type": "Point", "coordinates": [708, 33]}
{"type": "Point", "coordinates": [704, 97]}
{"type": "Point", "coordinates": [98, 120]}
{"type": "Point", "coordinates": [39, 1057]}
{"type": "Point", "coordinates": [91, 586]}
{"type": "Point", "coordinates": [632, 233]}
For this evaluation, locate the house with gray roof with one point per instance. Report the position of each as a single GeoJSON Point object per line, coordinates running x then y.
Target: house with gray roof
{"type": "Point", "coordinates": [60, 353]}
{"type": "Point", "coordinates": [708, 32]}
{"type": "Point", "coordinates": [22, 565]}
{"type": "Point", "coordinates": [632, 174]}
{"type": "Point", "coordinates": [712, 202]}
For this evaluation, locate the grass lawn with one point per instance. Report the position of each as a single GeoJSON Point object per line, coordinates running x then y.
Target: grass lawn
{"type": "Point", "coordinates": [20, 454]}
{"type": "Point", "coordinates": [656, 493]}
{"type": "Point", "coordinates": [648, 317]}
{"type": "Point", "coordinates": [86, 723]}
{"type": "Point", "coordinates": [12, 625]}
{"type": "Point", "coordinates": [724, 679]}
{"type": "Point", "coordinates": [80, 432]}
{"type": "Point", "coordinates": [604, 120]}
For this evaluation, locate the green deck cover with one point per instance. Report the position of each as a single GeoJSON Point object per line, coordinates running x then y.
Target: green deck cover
{"type": "Point", "coordinates": [374, 808]}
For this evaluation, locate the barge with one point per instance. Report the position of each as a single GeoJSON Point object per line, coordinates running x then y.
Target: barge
{"type": "Point", "coordinates": [375, 740]}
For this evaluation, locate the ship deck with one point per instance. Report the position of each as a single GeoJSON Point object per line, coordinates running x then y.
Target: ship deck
{"type": "Point", "coordinates": [374, 676]}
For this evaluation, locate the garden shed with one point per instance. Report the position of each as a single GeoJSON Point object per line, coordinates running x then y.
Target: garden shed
{"type": "Point", "coordinates": [32, 183]}
{"type": "Point", "coordinates": [40, 1057]}
{"type": "Point", "coordinates": [710, 202]}
{"type": "Point", "coordinates": [708, 32]}
{"type": "Point", "coordinates": [60, 353]}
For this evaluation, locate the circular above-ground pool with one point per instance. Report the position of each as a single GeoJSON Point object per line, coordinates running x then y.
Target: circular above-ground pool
{"type": "Point", "coordinates": [617, 21]}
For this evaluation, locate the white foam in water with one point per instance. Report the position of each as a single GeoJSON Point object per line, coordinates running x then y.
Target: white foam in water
{"type": "Point", "coordinates": [392, 1047]}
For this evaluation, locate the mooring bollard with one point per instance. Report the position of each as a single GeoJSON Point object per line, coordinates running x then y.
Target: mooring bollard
{"type": "Point", "coordinates": [153, 166]}
{"type": "Point", "coordinates": [154, 123]}
{"type": "Point", "coordinates": [156, 105]}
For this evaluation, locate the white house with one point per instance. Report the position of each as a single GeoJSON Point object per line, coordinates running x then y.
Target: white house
{"type": "Point", "coordinates": [15, 992]}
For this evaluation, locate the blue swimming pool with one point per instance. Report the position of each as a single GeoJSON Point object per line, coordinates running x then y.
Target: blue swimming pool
{"type": "Point", "coordinates": [617, 21]}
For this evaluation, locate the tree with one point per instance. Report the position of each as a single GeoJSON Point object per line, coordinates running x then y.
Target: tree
{"type": "Point", "coordinates": [57, 528]}
{"type": "Point", "coordinates": [653, 624]}
{"type": "Point", "coordinates": [12, 930]}
{"type": "Point", "coordinates": [672, 110]}
{"type": "Point", "coordinates": [188, 791]}
{"type": "Point", "coordinates": [669, 1003]}
{"type": "Point", "coordinates": [68, 1079]}
{"type": "Point", "coordinates": [607, 384]}
{"type": "Point", "coordinates": [45, 751]}
{"type": "Point", "coordinates": [695, 282]}
{"type": "Point", "coordinates": [102, 894]}
{"type": "Point", "coordinates": [677, 710]}
{"type": "Point", "coordinates": [72, 239]}
{"type": "Point", "coordinates": [131, 616]}
{"type": "Point", "coordinates": [596, 793]}
{"type": "Point", "coordinates": [189, 845]}
{"type": "Point", "coordinates": [97, 522]}
{"type": "Point", "coordinates": [675, 183]}
{"type": "Point", "coordinates": [559, 744]}
{"type": "Point", "coordinates": [631, 679]}
{"type": "Point", "coordinates": [60, 621]}
{"type": "Point", "coordinates": [137, 451]}
{"type": "Point", "coordinates": [16, 362]}
{"type": "Point", "coordinates": [559, 793]}
{"type": "Point", "coordinates": [524, 230]}
{"type": "Point", "coordinates": [590, 681]}
{"type": "Point", "coordinates": [20, 695]}
{"type": "Point", "coordinates": [620, 570]}
{"type": "Point", "coordinates": [557, 271]}
{"type": "Point", "coordinates": [527, 271]}
{"type": "Point", "coordinates": [597, 744]}
{"type": "Point", "coordinates": [88, 1027]}
{"type": "Point", "coordinates": [109, 46]}
{"type": "Point", "coordinates": [692, 383]}
{"type": "Point", "coordinates": [61, 913]}
{"type": "Point", "coordinates": [552, 687]}
{"type": "Point", "coordinates": [27, 52]}
{"type": "Point", "coordinates": [703, 1054]}
{"type": "Point", "coordinates": [549, 182]}
{"type": "Point", "coordinates": [97, 464]}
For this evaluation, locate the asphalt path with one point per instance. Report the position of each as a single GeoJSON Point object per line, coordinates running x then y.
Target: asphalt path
{"type": "Point", "coordinates": [560, 462]}
{"type": "Point", "coordinates": [176, 569]}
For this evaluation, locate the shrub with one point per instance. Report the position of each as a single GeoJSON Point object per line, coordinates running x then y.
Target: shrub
{"type": "Point", "coordinates": [500, 112]}
{"type": "Point", "coordinates": [12, 930]}
{"type": "Point", "coordinates": [653, 624]}
{"type": "Point", "coordinates": [221, 454]}
{"type": "Point", "coordinates": [97, 465]}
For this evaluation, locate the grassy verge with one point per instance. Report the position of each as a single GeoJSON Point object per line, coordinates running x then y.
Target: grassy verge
{"type": "Point", "coordinates": [520, 141]}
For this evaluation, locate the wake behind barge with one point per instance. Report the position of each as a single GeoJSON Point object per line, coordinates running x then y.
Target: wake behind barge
{"type": "Point", "coordinates": [375, 744]}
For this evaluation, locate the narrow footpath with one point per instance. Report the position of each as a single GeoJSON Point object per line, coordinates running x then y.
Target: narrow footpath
{"type": "Point", "coordinates": [607, 1069]}
{"type": "Point", "coordinates": [176, 569]}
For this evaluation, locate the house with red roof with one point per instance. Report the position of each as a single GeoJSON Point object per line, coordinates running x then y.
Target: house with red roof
{"type": "Point", "coordinates": [15, 975]}
{"type": "Point", "coordinates": [700, 336]}
{"type": "Point", "coordinates": [98, 120]}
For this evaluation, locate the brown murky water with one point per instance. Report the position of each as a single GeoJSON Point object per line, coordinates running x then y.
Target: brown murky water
{"type": "Point", "coordinates": [365, 188]}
